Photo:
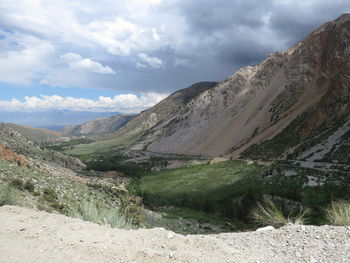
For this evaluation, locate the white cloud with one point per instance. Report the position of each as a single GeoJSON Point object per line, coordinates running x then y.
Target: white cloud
{"type": "Point", "coordinates": [152, 62]}
{"type": "Point", "coordinates": [24, 63]}
{"type": "Point", "coordinates": [122, 37]}
{"type": "Point", "coordinates": [77, 62]}
{"type": "Point", "coordinates": [127, 103]}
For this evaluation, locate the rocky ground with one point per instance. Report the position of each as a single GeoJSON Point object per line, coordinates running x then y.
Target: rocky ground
{"type": "Point", "coordinates": [32, 236]}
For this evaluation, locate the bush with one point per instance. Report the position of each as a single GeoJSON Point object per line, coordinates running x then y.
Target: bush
{"type": "Point", "coordinates": [49, 195]}
{"type": "Point", "coordinates": [97, 213]}
{"type": "Point", "coordinates": [29, 186]}
{"type": "Point", "coordinates": [270, 214]}
{"type": "Point", "coordinates": [338, 213]}
{"type": "Point", "coordinates": [8, 196]}
{"type": "Point", "coordinates": [16, 183]}
{"type": "Point", "coordinates": [131, 207]}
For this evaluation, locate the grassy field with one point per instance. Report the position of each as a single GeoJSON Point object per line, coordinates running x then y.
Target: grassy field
{"type": "Point", "coordinates": [107, 145]}
{"type": "Point", "coordinates": [208, 188]}
{"type": "Point", "coordinates": [232, 189]}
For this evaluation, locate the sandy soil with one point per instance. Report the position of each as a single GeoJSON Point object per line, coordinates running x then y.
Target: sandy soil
{"type": "Point", "coordinates": [32, 236]}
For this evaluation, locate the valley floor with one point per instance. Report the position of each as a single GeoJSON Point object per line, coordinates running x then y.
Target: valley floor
{"type": "Point", "coordinates": [31, 236]}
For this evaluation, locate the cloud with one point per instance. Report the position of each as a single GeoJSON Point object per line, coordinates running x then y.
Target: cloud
{"type": "Point", "coordinates": [126, 103]}
{"type": "Point", "coordinates": [24, 63]}
{"type": "Point", "coordinates": [152, 62]}
{"type": "Point", "coordinates": [75, 61]}
{"type": "Point", "coordinates": [181, 62]}
{"type": "Point", "coordinates": [189, 40]}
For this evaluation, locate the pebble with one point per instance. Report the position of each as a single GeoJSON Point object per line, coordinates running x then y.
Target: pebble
{"type": "Point", "coordinates": [266, 228]}
{"type": "Point", "coordinates": [170, 235]}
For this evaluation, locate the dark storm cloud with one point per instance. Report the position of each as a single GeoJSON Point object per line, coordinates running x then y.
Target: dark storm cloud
{"type": "Point", "coordinates": [191, 40]}
{"type": "Point", "coordinates": [238, 33]}
{"type": "Point", "coordinates": [294, 23]}
{"type": "Point", "coordinates": [223, 36]}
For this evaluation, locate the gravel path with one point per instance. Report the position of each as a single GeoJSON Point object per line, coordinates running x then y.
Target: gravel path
{"type": "Point", "coordinates": [34, 236]}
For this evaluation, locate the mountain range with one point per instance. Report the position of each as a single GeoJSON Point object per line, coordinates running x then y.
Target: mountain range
{"type": "Point", "coordinates": [291, 101]}
{"type": "Point", "coordinates": [54, 119]}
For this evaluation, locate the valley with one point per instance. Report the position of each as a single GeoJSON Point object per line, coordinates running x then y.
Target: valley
{"type": "Point", "coordinates": [268, 146]}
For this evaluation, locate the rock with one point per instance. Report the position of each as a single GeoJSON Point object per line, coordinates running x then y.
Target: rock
{"type": "Point", "coordinates": [266, 228]}
{"type": "Point", "coordinates": [170, 235]}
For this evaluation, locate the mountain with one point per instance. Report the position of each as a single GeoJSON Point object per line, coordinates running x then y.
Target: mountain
{"type": "Point", "coordinates": [100, 126]}
{"type": "Point", "coordinates": [160, 114]}
{"type": "Point", "coordinates": [56, 119]}
{"type": "Point", "coordinates": [271, 109]}
{"type": "Point", "coordinates": [36, 134]}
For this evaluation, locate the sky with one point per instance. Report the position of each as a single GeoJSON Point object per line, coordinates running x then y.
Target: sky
{"type": "Point", "coordinates": [126, 55]}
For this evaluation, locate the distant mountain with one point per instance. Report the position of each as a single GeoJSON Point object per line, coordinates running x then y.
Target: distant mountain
{"type": "Point", "coordinates": [281, 108]}
{"type": "Point", "coordinates": [55, 119]}
{"type": "Point", "coordinates": [101, 126]}
{"type": "Point", "coordinates": [35, 134]}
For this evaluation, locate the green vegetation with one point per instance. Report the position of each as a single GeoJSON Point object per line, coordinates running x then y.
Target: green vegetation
{"type": "Point", "coordinates": [112, 162]}
{"type": "Point", "coordinates": [338, 213]}
{"type": "Point", "coordinates": [99, 213]}
{"type": "Point", "coordinates": [226, 188]}
{"type": "Point", "coordinates": [55, 193]}
{"type": "Point", "coordinates": [107, 145]}
{"type": "Point", "coordinates": [8, 195]}
{"type": "Point", "coordinates": [270, 214]}
{"type": "Point", "coordinates": [66, 145]}
{"type": "Point", "coordinates": [230, 191]}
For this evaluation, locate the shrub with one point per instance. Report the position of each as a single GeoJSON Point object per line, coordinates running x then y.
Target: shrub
{"type": "Point", "coordinates": [270, 214]}
{"type": "Point", "coordinates": [49, 195]}
{"type": "Point", "coordinates": [131, 206]}
{"type": "Point", "coordinates": [29, 186]}
{"type": "Point", "coordinates": [338, 213]}
{"type": "Point", "coordinates": [16, 183]}
{"type": "Point", "coordinates": [8, 196]}
{"type": "Point", "coordinates": [97, 213]}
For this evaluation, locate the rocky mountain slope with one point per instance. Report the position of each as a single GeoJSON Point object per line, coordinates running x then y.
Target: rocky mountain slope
{"type": "Point", "coordinates": [98, 126]}
{"type": "Point", "coordinates": [31, 236]}
{"type": "Point", "coordinates": [34, 154]}
{"type": "Point", "coordinates": [36, 134]}
{"type": "Point", "coordinates": [160, 114]}
{"type": "Point", "coordinates": [303, 92]}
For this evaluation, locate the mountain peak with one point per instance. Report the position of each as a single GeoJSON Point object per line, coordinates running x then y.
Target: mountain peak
{"type": "Point", "coordinates": [343, 18]}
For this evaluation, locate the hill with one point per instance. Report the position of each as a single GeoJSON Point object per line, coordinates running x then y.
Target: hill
{"type": "Point", "coordinates": [35, 154]}
{"type": "Point", "coordinates": [51, 118]}
{"type": "Point", "coordinates": [37, 134]}
{"type": "Point", "coordinates": [100, 126]}
{"type": "Point", "coordinates": [158, 115]}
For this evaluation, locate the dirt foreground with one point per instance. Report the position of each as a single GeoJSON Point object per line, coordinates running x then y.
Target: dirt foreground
{"type": "Point", "coordinates": [34, 236]}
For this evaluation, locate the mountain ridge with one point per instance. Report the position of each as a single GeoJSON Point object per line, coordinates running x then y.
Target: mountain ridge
{"type": "Point", "coordinates": [263, 100]}
{"type": "Point", "coordinates": [101, 126]}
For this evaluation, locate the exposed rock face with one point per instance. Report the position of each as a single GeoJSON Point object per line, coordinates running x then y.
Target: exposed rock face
{"type": "Point", "coordinates": [9, 155]}
{"type": "Point", "coordinates": [256, 103]}
{"type": "Point", "coordinates": [99, 126]}
{"type": "Point", "coordinates": [161, 114]}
